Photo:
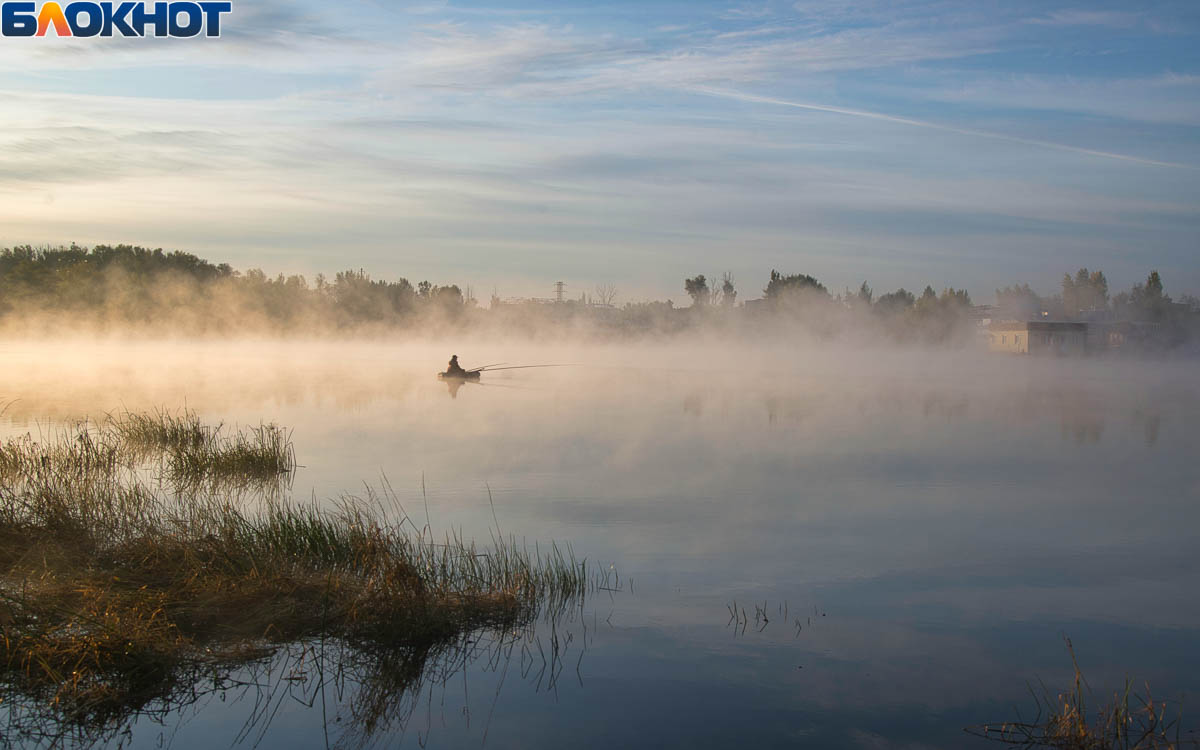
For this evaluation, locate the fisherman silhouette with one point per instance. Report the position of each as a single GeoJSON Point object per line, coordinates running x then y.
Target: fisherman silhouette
{"type": "Point", "coordinates": [454, 369]}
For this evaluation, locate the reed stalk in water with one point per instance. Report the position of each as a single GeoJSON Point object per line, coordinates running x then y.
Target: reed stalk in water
{"type": "Point", "coordinates": [1128, 721]}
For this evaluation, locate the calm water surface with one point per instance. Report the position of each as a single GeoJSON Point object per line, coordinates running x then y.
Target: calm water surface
{"type": "Point", "coordinates": [919, 530]}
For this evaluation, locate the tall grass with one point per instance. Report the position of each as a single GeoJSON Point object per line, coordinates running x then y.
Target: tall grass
{"type": "Point", "coordinates": [1129, 720]}
{"type": "Point", "coordinates": [85, 451]}
{"type": "Point", "coordinates": [112, 590]}
{"type": "Point", "coordinates": [162, 430]}
{"type": "Point", "coordinates": [186, 451]}
{"type": "Point", "coordinates": [196, 451]}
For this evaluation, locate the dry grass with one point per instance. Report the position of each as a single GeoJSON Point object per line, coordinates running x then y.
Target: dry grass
{"type": "Point", "coordinates": [79, 453]}
{"type": "Point", "coordinates": [196, 451]}
{"type": "Point", "coordinates": [1128, 721]}
{"type": "Point", "coordinates": [111, 592]}
{"type": "Point", "coordinates": [162, 430]}
{"type": "Point", "coordinates": [186, 451]}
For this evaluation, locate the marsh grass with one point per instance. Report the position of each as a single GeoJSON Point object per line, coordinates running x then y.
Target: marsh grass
{"type": "Point", "coordinates": [179, 446]}
{"type": "Point", "coordinates": [162, 430]}
{"type": "Point", "coordinates": [85, 451]}
{"type": "Point", "coordinates": [255, 453]}
{"type": "Point", "coordinates": [1130, 720]}
{"type": "Point", "coordinates": [111, 591]}
{"type": "Point", "coordinates": [195, 451]}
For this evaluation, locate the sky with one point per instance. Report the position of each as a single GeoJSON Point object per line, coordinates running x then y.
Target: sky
{"type": "Point", "coordinates": [507, 145]}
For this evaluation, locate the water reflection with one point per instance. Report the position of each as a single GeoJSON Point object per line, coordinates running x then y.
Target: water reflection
{"type": "Point", "coordinates": [352, 695]}
{"type": "Point", "coordinates": [952, 514]}
{"type": "Point", "coordinates": [452, 386]}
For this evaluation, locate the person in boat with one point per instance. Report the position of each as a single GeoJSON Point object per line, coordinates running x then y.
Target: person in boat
{"type": "Point", "coordinates": [454, 369]}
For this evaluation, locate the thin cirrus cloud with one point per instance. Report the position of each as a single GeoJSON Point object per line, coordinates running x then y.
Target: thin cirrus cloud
{"type": "Point", "coordinates": [918, 134]}
{"type": "Point", "coordinates": [1076, 17]}
{"type": "Point", "coordinates": [939, 126]}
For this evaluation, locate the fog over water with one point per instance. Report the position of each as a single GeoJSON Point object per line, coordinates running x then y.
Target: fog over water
{"type": "Point", "coordinates": [921, 527]}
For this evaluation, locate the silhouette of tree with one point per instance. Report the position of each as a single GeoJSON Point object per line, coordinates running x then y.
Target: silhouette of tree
{"type": "Point", "coordinates": [605, 294]}
{"type": "Point", "coordinates": [697, 289]}
{"type": "Point", "coordinates": [865, 294]}
{"type": "Point", "coordinates": [728, 293]}
{"type": "Point", "coordinates": [1144, 302]}
{"type": "Point", "coordinates": [1085, 292]}
{"type": "Point", "coordinates": [780, 287]}
{"type": "Point", "coordinates": [1018, 302]}
{"type": "Point", "coordinates": [895, 303]}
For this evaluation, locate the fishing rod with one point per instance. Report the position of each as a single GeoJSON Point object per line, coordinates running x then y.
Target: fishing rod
{"type": "Point", "coordinates": [491, 368]}
{"type": "Point", "coordinates": [484, 367]}
{"type": "Point", "coordinates": [500, 385]}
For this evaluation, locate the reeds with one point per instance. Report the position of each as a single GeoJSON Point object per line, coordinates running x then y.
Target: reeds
{"type": "Point", "coordinates": [162, 430]}
{"type": "Point", "coordinates": [1128, 721]}
{"type": "Point", "coordinates": [186, 451]}
{"type": "Point", "coordinates": [82, 452]}
{"type": "Point", "coordinates": [111, 589]}
{"type": "Point", "coordinates": [195, 451]}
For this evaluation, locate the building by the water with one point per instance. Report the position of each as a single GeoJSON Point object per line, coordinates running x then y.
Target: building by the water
{"type": "Point", "coordinates": [1038, 337]}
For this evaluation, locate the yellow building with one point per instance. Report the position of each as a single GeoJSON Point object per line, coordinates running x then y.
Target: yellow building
{"type": "Point", "coordinates": [1038, 337]}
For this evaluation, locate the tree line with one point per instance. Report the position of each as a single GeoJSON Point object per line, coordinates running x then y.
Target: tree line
{"type": "Point", "coordinates": [802, 299]}
{"type": "Point", "coordinates": [1085, 296]}
{"type": "Point", "coordinates": [111, 286]}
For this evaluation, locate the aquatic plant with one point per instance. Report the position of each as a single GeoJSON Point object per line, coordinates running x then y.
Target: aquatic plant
{"type": "Point", "coordinates": [1128, 721]}
{"type": "Point", "coordinates": [161, 430]}
{"type": "Point", "coordinates": [114, 593]}
{"type": "Point", "coordinates": [195, 450]}
{"type": "Point", "coordinates": [263, 451]}
{"type": "Point", "coordinates": [190, 451]}
{"type": "Point", "coordinates": [85, 450]}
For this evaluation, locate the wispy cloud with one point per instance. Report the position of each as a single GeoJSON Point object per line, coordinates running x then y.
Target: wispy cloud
{"type": "Point", "coordinates": [1079, 17]}
{"type": "Point", "coordinates": [901, 131]}
{"type": "Point", "coordinates": [748, 10]}
{"type": "Point", "coordinates": [938, 126]}
{"type": "Point", "coordinates": [1160, 98]}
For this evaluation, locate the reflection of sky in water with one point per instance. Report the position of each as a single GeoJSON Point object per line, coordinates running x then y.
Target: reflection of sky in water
{"type": "Point", "coordinates": [946, 516]}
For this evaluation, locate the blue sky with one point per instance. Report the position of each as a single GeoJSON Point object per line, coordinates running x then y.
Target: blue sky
{"type": "Point", "coordinates": [506, 145]}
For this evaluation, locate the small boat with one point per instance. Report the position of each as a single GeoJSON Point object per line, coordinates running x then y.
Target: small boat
{"type": "Point", "coordinates": [464, 376]}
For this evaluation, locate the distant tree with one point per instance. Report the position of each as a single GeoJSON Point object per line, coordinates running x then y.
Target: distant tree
{"type": "Point", "coordinates": [447, 297]}
{"type": "Point", "coordinates": [107, 284]}
{"type": "Point", "coordinates": [1018, 302]}
{"type": "Point", "coordinates": [895, 303]}
{"type": "Point", "coordinates": [359, 298]}
{"type": "Point", "coordinates": [605, 294]}
{"type": "Point", "coordinates": [728, 293]}
{"type": "Point", "coordinates": [802, 297]}
{"type": "Point", "coordinates": [1154, 285]}
{"type": "Point", "coordinates": [781, 287]}
{"type": "Point", "coordinates": [955, 298]}
{"type": "Point", "coordinates": [865, 294]}
{"type": "Point", "coordinates": [1097, 291]}
{"type": "Point", "coordinates": [697, 289]}
{"type": "Point", "coordinates": [1070, 298]}
{"type": "Point", "coordinates": [1144, 302]}
{"type": "Point", "coordinates": [1084, 292]}
{"type": "Point", "coordinates": [942, 318]}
